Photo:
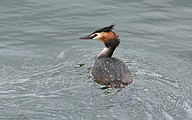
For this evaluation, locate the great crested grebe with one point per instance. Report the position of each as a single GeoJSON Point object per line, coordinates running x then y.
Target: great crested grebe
{"type": "Point", "coordinates": [108, 70]}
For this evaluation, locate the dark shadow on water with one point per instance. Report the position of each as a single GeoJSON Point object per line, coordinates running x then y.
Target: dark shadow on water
{"type": "Point", "coordinates": [103, 88]}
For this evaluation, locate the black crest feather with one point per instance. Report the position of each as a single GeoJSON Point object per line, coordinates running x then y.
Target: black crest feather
{"type": "Point", "coordinates": [105, 29]}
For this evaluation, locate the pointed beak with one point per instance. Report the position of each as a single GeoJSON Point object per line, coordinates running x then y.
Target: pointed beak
{"type": "Point", "coordinates": [88, 37]}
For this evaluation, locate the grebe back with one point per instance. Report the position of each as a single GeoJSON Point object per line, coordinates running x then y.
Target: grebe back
{"type": "Point", "coordinates": [107, 70]}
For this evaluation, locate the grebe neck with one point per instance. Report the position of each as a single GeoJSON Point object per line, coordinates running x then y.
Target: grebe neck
{"type": "Point", "coordinates": [110, 45]}
{"type": "Point", "coordinates": [106, 52]}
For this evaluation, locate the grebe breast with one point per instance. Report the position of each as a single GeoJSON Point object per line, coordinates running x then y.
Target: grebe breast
{"type": "Point", "coordinates": [111, 72]}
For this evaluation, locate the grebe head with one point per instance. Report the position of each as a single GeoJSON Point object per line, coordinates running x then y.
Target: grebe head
{"type": "Point", "coordinates": [106, 35]}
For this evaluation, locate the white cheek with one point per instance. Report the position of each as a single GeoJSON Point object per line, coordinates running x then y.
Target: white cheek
{"type": "Point", "coordinates": [97, 37]}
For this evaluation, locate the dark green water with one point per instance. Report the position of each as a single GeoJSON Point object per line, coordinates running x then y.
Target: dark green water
{"type": "Point", "coordinates": [45, 68]}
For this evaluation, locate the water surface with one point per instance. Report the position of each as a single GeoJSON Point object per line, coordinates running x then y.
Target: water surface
{"type": "Point", "coordinates": [45, 68]}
